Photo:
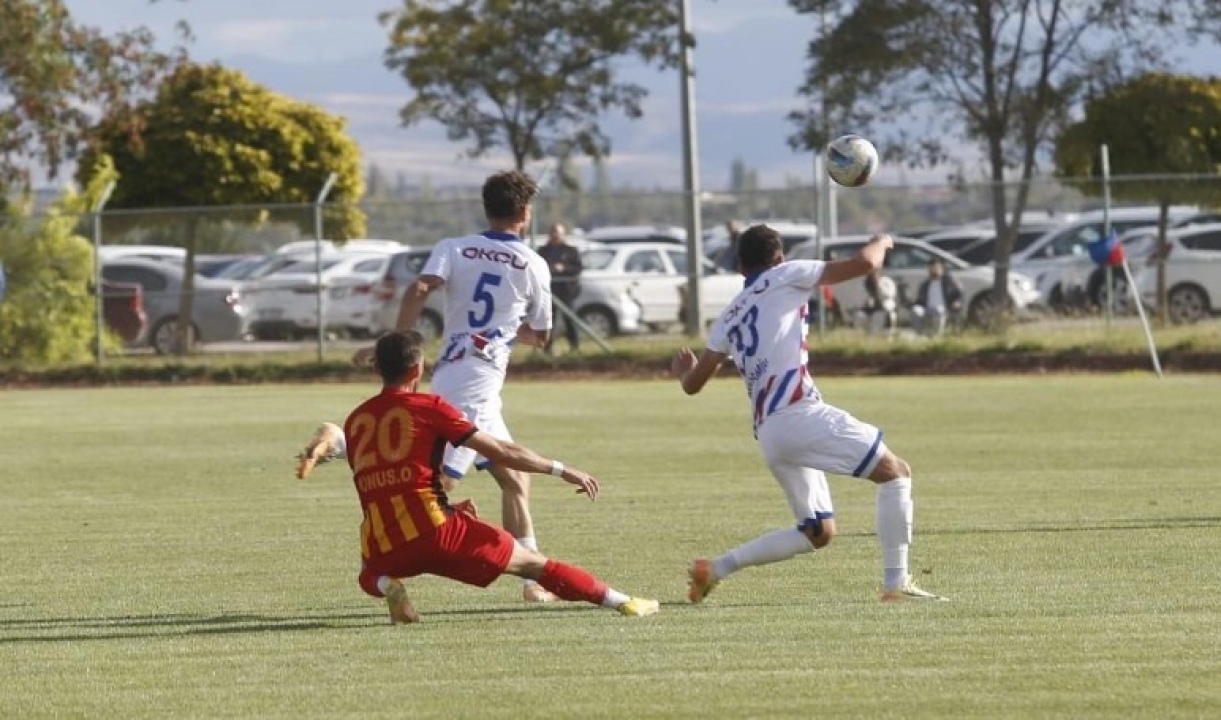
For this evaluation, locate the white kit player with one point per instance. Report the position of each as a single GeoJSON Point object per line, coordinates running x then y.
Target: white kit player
{"type": "Point", "coordinates": [764, 331]}
{"type": "Point", "coordinates": [497, 292]}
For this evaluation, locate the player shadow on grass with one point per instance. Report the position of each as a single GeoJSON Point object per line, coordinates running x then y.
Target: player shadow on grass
{"type": "Point", "coordinates": [127, 627]}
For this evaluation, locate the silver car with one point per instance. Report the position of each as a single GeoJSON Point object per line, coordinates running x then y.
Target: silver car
{"type": "Point", "coordinates": [217, 314]}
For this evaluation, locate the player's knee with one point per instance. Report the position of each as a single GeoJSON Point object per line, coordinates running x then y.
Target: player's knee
{"type": "Point", "coordinates": [819, 531]}
{"type": "Point", "coordinates": [368, 583]}
{"type": "Point", "coordinates": [890, 467]}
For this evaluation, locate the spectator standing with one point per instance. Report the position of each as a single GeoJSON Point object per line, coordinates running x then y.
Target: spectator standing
{"type": "Point", "coordinates": [564, 261]}
{"type": "Point", "coordinates": [938, 298]}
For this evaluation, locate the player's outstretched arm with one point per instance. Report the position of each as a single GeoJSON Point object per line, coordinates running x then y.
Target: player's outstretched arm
{"type": "Point", "coordinates": [414, 299]}
{"type": "Point", "coordinates": [867, 259]}
{"type": "Point", "coordinates": [693, 373]}
{"type": "Point", "coordinates": [518, 457]}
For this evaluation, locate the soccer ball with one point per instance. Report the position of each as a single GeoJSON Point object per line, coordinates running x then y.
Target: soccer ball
{"type": "Point", "coordinates": [851, 160]}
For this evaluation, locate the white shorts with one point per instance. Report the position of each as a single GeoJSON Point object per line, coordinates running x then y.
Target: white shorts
{"type": "Point", "coordinates": [804, 441]}
{"type": "Point", "coordinates": [473, 388]}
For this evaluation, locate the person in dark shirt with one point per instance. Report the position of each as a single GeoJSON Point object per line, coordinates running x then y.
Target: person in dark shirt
{"type": "Point", "coordinates": [564, 261]}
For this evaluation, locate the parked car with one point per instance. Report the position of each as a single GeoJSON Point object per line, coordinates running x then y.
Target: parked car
{"type": "Point", "coordinates": [329, 247]}
{"type": "Point", "coordinates": [1081, 282]}
{"type": "Point", "coordinates": [1058, 246]}
{"type": "Point", "coordinates": [1193, 274]}
{"type": "Point", "coordinates": [123, 311]}
{"type": "Point", "coordinates": [218, 314]}
{"type": "Point", "coordinates": [213, 265]}
{"type": "Point", "coordinates": [638, 234]}
{"type": "Point", "coordinates": [163, 253]}
{"type": "Point", "coordinates": [976, 244]}
{"type": "Point", "coordinates": [284, 303]}
{"type": "Point", "coordinates": [631, 286]}
{"type": "Point", "coordinates": [402, 270]}
{"type": "Point", "coordinates": [907, 264]}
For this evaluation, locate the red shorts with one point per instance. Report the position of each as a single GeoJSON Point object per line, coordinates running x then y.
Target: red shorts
{"type": "Point", "coordinates": [463, 549]}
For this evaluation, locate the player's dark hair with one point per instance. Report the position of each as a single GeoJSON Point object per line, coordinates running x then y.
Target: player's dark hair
{"type": "Point", "coordinates": [758, 248]}
{"type": "Point", "coordinates": [506, 195]}
{"type": "Point", "coordinates": [397, 352]}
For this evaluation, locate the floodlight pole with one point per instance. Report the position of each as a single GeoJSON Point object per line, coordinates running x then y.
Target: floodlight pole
{"type": "Point", "coordinates": [99, 299]}
{"type": "Point", "coordinates": [318, 203]}
{"type": "Point", "coordinates": [822, 187]}
{"type": "Point", "coordinates": [691, 180]}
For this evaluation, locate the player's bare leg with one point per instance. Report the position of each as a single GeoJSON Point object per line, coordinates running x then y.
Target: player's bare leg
{"type": "Point", "coordinates": [516, 519]}
{"type": "Point", "coordinates": [706, 573]}
{"type": "Point", "coordinates": [569, 582]}
{"type": "Point", "coordinates": [327, 443]}
{"type": "Point", "coordinates": [893, 477]}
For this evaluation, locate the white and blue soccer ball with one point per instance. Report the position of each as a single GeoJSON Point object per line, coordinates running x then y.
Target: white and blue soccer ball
{"type": "Point", "coordinates": [851, 160]}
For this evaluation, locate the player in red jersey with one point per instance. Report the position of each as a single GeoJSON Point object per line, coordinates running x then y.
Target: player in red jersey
{"type": "Point", "coordinates": [396, 441]}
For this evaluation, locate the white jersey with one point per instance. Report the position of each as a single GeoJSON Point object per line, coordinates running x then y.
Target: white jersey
{"type": "Point", "coordinates": [764, 330]}
{"type": "Point", "coordinates": [493, 283]}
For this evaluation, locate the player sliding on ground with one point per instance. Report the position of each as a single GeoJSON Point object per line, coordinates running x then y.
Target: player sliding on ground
{"type": "Point", "coordinates": [395, 441]}
{"type": "Point", "coordinates": [497, 293]}
{"type": "Point", "coordinates": [764, 331]}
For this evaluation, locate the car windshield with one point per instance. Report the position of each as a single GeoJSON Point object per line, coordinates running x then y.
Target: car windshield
{"type": "Point", "coordinates": [597, 259]}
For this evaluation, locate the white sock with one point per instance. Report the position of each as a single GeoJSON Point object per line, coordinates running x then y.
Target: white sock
{"type": "Point", "coordinates": [773, 547]}
{"type": "Point", "coordinates": [383, 584]}
{"type": "Point", "coordinates": [614, 598]}
{"type": "Point", "coordinates": [894, 528]}
{"type": "Point", "coordinates": [529, 543]}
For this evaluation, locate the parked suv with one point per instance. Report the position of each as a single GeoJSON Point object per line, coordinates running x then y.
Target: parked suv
{"type": "Point", "coordinates": [217, 314]}
{"type": "Point", "coordinates": [1193, 274]}
{"type": "Point", "coordinates": [387, 295]}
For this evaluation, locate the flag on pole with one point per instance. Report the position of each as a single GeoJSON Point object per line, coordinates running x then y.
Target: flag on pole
{"type": "Point", "coordinates": [1107, 250]}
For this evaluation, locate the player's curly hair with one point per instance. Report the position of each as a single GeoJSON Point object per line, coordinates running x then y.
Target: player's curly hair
{"type": "Point", "coordinates": [506, 195]}
{"type": "Point", "coordinates": [396, 353]}
{"type": "Point", "coordinates": [758, 248]}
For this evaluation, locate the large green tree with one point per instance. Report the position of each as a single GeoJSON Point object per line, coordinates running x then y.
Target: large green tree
{"type": "Point", "coordinates": [1001, 74]}
{"type": "Point", "coordinates": [54, 73]}
{"type": "Point", "coordinates": [212, 137]}
{"type": "Point", "coordinates": [1157, 125]}
{"type": "Point", "coordinates": [531, 77]}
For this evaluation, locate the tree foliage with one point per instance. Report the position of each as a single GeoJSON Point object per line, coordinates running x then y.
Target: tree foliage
{"type": "Point", "coordinates": [212, 137]}
{"type": "Point", "coordinates": [1157, 125]}
{"type": "Point", "coordinates": [532, 77]}
{"type": "Point", "coordinates": [48, 314]}
{"type": "Point", "coordinates": [53, 73]}
{"type": "Point", "coordinates": [1001, 74]}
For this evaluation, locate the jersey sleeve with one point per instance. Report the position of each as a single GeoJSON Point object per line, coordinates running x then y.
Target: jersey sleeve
{"type": "Point", "coordinates": [804, 274]}
{"type": "Point", "coordinates": [538, 310]}
{"type": "Point", "coordinates": [450, 423]}
{"type": "Point", "coordinates": [718, 337]}
{"type": "Point", "coordinates": [440, 261]}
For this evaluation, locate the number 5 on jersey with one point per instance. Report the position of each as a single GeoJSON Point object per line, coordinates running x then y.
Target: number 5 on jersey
{"type": "Point", "coordinates": [484, 301]}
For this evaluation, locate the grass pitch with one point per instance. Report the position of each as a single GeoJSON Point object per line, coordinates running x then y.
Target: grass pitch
{"type": "Point", "coordinates": [157, 558]}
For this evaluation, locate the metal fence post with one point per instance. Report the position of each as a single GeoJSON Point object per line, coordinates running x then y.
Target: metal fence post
{"type": "Point", "coordinates": [99, 299]}
{"type": "Point", "coordinates": [322, 195]}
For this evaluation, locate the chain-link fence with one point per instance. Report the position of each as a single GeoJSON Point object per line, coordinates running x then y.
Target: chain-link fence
{"type": "Point", "coordinates": [263, 277]}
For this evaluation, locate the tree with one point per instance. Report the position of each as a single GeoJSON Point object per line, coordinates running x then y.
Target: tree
{"type": "Point", "coordinates": [212, 137]}
{"type": "Point", "coordinates": [53, 71]}
{"type": "Point", "coordinates": [1159, 125]}
{"type": "Point", "coordinates": [999, 73]}
{"type": "Point", "coordinates": [48, 314]}
{"type": "Point", "coordinates": [532, 77]}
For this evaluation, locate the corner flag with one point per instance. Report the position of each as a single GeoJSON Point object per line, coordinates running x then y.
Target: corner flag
{"type": "Point", "coordinates": [1107, 250]}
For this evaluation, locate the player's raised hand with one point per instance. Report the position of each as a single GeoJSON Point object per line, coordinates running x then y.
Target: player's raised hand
{"type": "Point", "coordinates": [682, 363]}
{"type": "Point", "coordinates": [586, 484]}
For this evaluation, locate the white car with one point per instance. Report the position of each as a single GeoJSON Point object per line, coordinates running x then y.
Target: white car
{"type": "Point", "coordinates": [1044, 256]}
{"type": "Point", "coordinates": [619, 234]}
{"type": "Point", "coordinates": [285, 302]}
{"type": "Point", "coordinates": [907, 264]}
{"type": "Point", "coordinates": [1193, 274]}
{"type": "Point", "coordinates": [627, 287]}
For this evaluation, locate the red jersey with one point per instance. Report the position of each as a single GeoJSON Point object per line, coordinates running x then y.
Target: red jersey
{"type": "Point", "coordinates": [396, 441]}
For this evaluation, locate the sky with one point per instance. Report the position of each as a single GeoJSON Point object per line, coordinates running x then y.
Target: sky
{"type": "Point", "coordinates": [330, 53]}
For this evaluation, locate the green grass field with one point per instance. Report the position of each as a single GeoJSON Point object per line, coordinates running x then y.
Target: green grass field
{"type": "Point", "coordinates": [158, 559]}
